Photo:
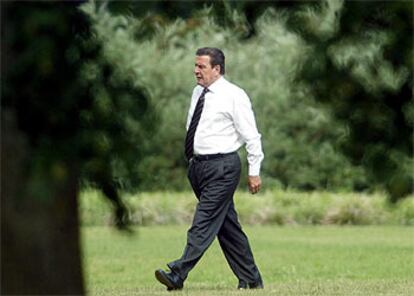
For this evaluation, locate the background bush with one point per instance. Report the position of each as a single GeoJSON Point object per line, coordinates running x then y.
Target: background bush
{"type": "Point", "coordinates": [299, 137]}
{"type": "Point", "coordinates": [270, 207]}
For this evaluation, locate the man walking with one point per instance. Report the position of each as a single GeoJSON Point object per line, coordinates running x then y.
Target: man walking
{"type": "Point", "coordinates": [220, 120]}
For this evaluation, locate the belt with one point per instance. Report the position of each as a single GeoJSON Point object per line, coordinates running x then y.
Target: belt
{"type": "Point", "coordinates": [202, 157]}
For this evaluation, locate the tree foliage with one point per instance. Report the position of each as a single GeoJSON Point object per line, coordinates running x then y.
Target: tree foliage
{"type": "Point", "coordinates": [362, 69]}
{"type": "Point", "coordinates": [298, 135]}
{"type": "Point", "coordinates": [68, 100]}
{"type": "Point", "coordinates": [358, 64]}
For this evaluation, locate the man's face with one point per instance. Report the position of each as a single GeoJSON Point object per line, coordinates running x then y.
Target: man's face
{"type": "Point", "coordinates": [204, 73]}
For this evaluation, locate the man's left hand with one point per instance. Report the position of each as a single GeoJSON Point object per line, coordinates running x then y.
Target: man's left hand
{"type": "Point", "coordinates": [254, 183]}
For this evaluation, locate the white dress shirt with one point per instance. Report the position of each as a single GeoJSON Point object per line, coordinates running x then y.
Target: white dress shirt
{"type": "Point", "coordinates": [227, 122]}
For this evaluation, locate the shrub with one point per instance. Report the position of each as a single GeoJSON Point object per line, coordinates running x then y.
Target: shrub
{"type": "Point", "coordinates": [404, 212]}
{"type": "Point", "coordinates": [270, 207]}
{"type": "Point", "coordinates": [355, 209]}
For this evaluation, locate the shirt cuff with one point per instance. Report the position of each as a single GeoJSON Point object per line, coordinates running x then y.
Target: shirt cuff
{"type": "Point", "coordinates": [254, 170]}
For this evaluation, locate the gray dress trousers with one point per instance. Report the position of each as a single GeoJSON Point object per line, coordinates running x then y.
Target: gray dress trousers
{"type": "Point", "coordinates": [214, 182]}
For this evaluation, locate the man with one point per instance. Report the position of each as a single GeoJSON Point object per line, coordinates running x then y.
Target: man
{"type": "Point", "coordinates": [220, 120]}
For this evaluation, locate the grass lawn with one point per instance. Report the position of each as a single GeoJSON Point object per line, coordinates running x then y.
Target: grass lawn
{"type": "Point", "coordinates": [313, 260]}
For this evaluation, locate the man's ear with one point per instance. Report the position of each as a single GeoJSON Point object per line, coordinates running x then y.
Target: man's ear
{"type": "Point", "coordinates": [218, 68]}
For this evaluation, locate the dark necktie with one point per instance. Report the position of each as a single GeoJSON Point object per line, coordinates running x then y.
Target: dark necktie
{"type": "Point", "coordinates": [189, 139]}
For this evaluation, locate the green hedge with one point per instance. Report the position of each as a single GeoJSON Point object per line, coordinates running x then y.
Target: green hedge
{"type": "Point", "coordinates": [271, 207]}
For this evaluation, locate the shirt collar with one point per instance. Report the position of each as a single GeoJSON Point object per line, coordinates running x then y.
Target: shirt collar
{"type": "Point", "coordinates": [216, 84]}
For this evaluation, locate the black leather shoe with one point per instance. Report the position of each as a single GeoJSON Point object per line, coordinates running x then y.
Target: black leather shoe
{"type": "Point", "coordinates": [256, 285]}
{"type": "Point", "coordinates": [242, 285]}
{"type": "Point", "coordinates": [169, 279]}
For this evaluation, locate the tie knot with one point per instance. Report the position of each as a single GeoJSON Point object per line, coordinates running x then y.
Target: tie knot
{"type": "Point", "coordinates": [205, 90]}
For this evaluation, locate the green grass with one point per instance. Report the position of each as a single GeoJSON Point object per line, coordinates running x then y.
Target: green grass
{"type": "Point", "coordinates": [302, 260]}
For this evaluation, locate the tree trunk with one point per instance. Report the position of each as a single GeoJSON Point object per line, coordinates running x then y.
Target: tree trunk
{"type": "Point", "coordinates": [40, 245]}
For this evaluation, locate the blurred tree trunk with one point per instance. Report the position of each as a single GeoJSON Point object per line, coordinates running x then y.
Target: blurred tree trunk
{"type": "Point", "coordinates": [54, 133]}
{"type": "Point", "coordinates": [40, 245]}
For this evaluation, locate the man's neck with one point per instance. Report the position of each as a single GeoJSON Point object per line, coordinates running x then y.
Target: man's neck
{"type": "Point", "coordinates": [218, 77]}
